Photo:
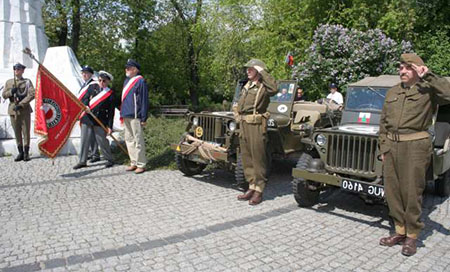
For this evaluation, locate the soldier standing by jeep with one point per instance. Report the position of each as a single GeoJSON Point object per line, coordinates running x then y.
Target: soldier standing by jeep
{"type": "Point", "coordinates": [20, 92]}
{"type": "Point", "coordinates": [252, 117]}
{"type": "Point", "coordinates": [406, 146]}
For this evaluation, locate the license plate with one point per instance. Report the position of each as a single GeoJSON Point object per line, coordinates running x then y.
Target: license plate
{"type": "Point", "coordinates": [358, 187]}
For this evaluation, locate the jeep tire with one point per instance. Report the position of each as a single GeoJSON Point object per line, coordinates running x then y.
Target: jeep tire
{"type": "Point", "coordinates": [304, 196]}
{"type": "Point", "coordinates": [241, 182]}
{"type": "Point", "coordinates": [189, 168]}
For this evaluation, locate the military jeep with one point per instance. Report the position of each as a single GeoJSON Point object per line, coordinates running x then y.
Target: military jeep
{"type": "Point", "coordinates": [213, 137]}
{"type": "Point", "coordinates": [347, 156]}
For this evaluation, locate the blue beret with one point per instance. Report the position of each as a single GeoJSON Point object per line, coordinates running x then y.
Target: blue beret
{"type": "Point", "coordinates": [333, 85]}
{"type": "Point", "coordinates": [87, 69]}
{"type": "Point", "coordinates": [19, 66]}
{"type": "Point", "coordinates": [133, 63]}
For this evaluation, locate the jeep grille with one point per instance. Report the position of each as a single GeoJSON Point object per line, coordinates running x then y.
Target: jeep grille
{"type": "Point", "coordinates": [213, 127]}
{"type": "Point", "coordinates": [351, 153]}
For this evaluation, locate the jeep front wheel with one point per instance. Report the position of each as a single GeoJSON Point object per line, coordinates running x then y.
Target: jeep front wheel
{"type": "Point", "coordinates": [189, 168]}
{"type": "Point", "coordinates": [303, 194]}
{"type": "Point", "coordinates": [442, 185]}
{"type": "Point", "coordinates": [241, 182]}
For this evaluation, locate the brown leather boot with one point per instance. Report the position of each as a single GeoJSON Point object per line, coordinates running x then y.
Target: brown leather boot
{"type": "Point", "coordinates": [256, 198]}
{"type": "Point", "coordinates": [392, 240]}
{"type": "Point", "coordinates": [246, 196]}
{"type": "Point", "coordinates": [409, 247]}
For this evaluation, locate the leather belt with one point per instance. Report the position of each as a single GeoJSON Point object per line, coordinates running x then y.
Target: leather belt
{"type": "Point", "coordinates": [407, 137]}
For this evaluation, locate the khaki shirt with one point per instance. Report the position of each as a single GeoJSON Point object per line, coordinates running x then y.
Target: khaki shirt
{"type": "Point", "coordinates": [410, 110]}
{"type": "Point", "coordinates": [25, 94]}
{"type": "Point", "coordinates": [249, 93]}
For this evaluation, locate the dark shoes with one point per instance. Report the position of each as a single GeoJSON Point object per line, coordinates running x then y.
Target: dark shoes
{"type": "Point", "coordinates": [409, 247]}
{"type": "Point", "coordinates": [409, 244]}
{"type": "Point", "coordinates": [392, 240]}
{"type": "Point", "coordinates": [246, 196]}
{"type": "Point", "coordinates": [256, 198]}
{"type": "Point", "coordinates": [109, 164]}
{"type": "Point", "coordinates": [94, 160]}
{"type": "Point", "coordinates": [20, 156]}
{"type": "Point", "coordinates": [79, 165]}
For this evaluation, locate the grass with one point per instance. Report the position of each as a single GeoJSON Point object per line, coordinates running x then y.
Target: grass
{"type": "Point", "coordinates": [159, 133]}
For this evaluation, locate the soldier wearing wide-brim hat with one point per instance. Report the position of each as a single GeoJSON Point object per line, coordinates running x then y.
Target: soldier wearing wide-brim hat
{"type": "Point", "coordinates": [406, 146]}
{"type": "Point", "coordinates": [20, 92]}
{"type": "Point", "coordinates": [252, 114]}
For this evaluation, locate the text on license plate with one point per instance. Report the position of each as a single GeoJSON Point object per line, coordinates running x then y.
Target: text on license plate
{"type": "Point", "coordinates": [357, 187]}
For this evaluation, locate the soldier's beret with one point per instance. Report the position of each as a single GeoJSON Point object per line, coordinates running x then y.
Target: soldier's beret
{"type": "Point", "coordinates": [333, 86]}
{"type": "Point", "coordinates": [19, 66]}
{"type": "Point", "coordinates": [87, 69]}
{"type": "Point", "coordinates": [133, 63]}
{"type": "Point", "coordinates": [411, 58]}
{"type": "Point", "coordinates": [106, 75]}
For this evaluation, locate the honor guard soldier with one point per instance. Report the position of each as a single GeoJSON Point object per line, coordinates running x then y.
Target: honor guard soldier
{"type": "Point", "coordinates": [87, 74]}
{"type": "Point", "coordinates": [252, 116]}
{"type": "Point", "coordinates": [20, 92]}
{"type": "Point", "coordinates": [406, 146]}
{"type": "Point", "coordinates": [134, 113]}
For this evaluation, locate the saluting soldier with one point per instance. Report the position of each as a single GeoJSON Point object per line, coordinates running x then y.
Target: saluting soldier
{"type": "Point", "coordinates": [253, 115]}
{"type": "Point", "coordinates": [406, 146]}
{"type": "Point", "coordinates": [20, 92]}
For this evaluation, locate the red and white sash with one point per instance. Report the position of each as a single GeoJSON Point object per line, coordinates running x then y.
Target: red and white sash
{"type": "Point", "coordinates": [83, 90]}
{"type": "Point", "coordinates": [99, 98]}
{"type": "Point", "coordinates": [130, 86]}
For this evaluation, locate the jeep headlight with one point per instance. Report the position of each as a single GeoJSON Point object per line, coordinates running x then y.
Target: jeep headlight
{"type": "Point", "coordinates": [232, 125]}
{"type": "Point", "coordinates": [321, 139]}
{"type": "Point", "coordinates": [195, 121]}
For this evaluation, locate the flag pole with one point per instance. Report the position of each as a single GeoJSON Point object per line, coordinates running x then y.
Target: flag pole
{"type": "Point", "coordinates": [27, 51]}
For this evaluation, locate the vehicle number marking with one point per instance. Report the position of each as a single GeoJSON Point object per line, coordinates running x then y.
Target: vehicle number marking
{"type": "Point", "coordinates": [270, 123]}
{"type": "Point", "coordinates": [360, 188]}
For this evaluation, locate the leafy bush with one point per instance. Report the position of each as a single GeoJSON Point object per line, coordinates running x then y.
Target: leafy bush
{"type": "Point", "coordinates": [343, 55]}
{"type": "Point", "coordinates": [159, 133]}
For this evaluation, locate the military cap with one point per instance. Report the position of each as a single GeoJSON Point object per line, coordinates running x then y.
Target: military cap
{"type": "Point", "coordinates": [333, 86]}
{"type": "Point", "coordinates": [18, 66]}
{"type": "Point", "coordinates": [133, 63]}
{"type": "Point", "coordinates": [256, 62]}
{"type": "Point", "coordinates": [87, 69]}
{"type": "Point", "coordinates": [106, 75]}
{"type": "Point", "coordinates": [411, 58]}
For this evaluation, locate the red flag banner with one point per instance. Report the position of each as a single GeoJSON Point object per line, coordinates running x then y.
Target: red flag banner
{"type": "Point", "coordinates": [57, 111]}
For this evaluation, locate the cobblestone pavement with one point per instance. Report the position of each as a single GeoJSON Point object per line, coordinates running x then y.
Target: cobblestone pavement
{"type": "Point", "coordinates": [96, 219]}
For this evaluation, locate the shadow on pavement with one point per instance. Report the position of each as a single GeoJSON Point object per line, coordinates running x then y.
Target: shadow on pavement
{"type": "Point", "coordinates": [279, 182]}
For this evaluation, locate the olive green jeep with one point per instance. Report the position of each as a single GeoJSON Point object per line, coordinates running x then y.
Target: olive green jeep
{"type": "Point", "coordinates": [347, 156]}
{"type": "Point", "coordinates": [213, 137]}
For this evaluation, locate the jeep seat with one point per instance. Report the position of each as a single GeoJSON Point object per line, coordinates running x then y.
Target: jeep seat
{"type": "Point", "coordinates": [442, 134]}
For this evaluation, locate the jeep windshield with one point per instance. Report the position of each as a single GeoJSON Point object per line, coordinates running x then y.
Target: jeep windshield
{"type": "Point", "coordinates": [285, 92]}
{"type": "Point", "coordinates": [365, 98]}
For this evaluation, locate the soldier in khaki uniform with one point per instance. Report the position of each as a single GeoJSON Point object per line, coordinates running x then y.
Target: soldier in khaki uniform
{"type": "Point", "coordinates": [251, 109]}
{"type": "Point", "coordinates": [20, 92]}
{"type": "Point", "coordinates": [406, 146]}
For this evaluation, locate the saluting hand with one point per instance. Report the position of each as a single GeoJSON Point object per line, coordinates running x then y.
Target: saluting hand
{"type": "Point", "coordinates": [421, 70]}
{"type": "Point", "coordinates": [258, 68]}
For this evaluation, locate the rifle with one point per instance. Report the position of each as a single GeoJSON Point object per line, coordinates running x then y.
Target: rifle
{"type": "Point", "coordinates": [15, 97]}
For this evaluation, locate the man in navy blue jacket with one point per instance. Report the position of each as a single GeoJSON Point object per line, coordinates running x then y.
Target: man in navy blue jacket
{"type": "Point", "coordinates": [134, 111]}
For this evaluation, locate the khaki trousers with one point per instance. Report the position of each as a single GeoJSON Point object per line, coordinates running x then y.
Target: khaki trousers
{"type": "Point", "coordinates": [21, 126]}
{"type": "Point", "coordinates": [405, 167]}
{"type": "Point", "coordinates": [252, 142]}
{"type": "Point", "coordinates": [134, 138]}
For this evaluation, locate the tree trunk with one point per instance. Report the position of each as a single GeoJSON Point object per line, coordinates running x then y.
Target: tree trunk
{"type": "Point", "coordinates": [76, 25]}
{"type": "Point", "coordinates": [62, 31]}
{"type": "Point", "coordinates": [193, 69]}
